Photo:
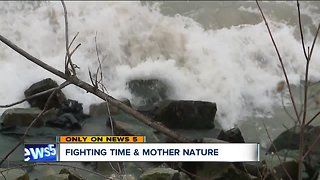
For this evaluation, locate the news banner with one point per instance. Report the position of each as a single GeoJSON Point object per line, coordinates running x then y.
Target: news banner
{"type": "Point", "coordinates": [135, 148]}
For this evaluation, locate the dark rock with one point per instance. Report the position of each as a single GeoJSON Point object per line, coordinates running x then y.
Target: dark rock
{"type": "Point", "coordinates": [65, 121]}
{"type": "Point", "coordinates": [22, 117]}
{"type": "Point", "coordinates": [252, 168]}
{"type": "Point", "coordinates": [159, 173]}
{"type": "Point", "coordinates": [73, 107]}
{"type": "Point", "coordinates": [150, 91]}
{"type": "Point", "coordinates": [101, 109]}
{"type": "Point", "coordinates": [72, 176]}
{"type": "Point", "coordinates": [214, 170]}
{"type": "Point", "coordinates": [281, 171]}
{"type": "Point", "coordinates": [186, 114]}
{"type": "Point", "coordinates": [40, 101]}
{"type": "Point", "coordinates": [232, 173]}
{"type": "Point", "coordinates": [289, 140]}
{"type": "Point", "coordinates": [69, 116]}
{"type": "Point", "coordinates": [291, 167]}
{"type": "Point", "coordinates": [233, 136]}
{"type": "Point", "coordinates": [56, 177]}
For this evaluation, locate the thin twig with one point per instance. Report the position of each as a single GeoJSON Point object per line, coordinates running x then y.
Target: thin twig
{"type": "Point", "coordinates": [75, 49]}
{"type": "Point", "coordinates": [314, 41]}
{"type": "Point", "coordinates": [68, 61]}
{"type": "Point", "coordinates": [313, 118]}
{"type": "Point", "coordinates": [92, 80]}
{"type": "Point", "coordinates": [73, 39]}
{"type": "Point", "coordinates": [301, 32]}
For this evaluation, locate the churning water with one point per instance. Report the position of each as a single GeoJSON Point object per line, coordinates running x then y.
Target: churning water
{"type": "Point", "coordinates": [212, 51]}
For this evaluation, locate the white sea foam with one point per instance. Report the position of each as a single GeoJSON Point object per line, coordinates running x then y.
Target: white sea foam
{"type": "Point", "coordinates": [235, 66]}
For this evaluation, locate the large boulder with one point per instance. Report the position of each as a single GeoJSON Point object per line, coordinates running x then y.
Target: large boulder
{"type": "Point", "coordinates": [178, 114]}
{"type": "Point", "coordinates": [23, 117]}
{"type": "Point", "coordinates": [41, 100]}
{"type": "Point", "coordinates": [148, 91]}
{"type": "Point", "coordinates": [289, 141]}
{"type": "Point", "coordinates": [233, 135]}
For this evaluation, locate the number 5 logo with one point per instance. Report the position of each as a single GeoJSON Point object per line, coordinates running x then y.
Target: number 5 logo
{"type": "Point", "coordinates": [52, 149]}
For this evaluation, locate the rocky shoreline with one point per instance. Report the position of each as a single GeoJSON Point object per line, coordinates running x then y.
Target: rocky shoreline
{"type": "Point", "coordinates": [193, 119]}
